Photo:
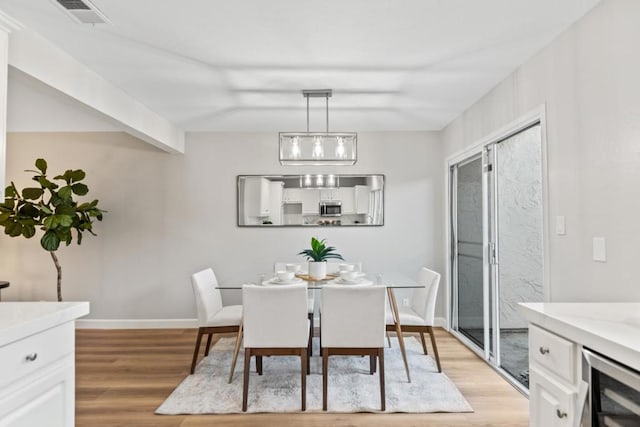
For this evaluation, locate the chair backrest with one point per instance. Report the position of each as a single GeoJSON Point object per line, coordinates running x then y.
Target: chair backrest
{"type": "Point", "coordinates": [275, 316]}
{"type": "Point", "coordinates": [281, 266]}
{"type": "Point", "coordinates": [208, 298]}
{"type": "Point", "coordinates": [423, 300]}
{"type": "Point", "coordinates": [353, 316]}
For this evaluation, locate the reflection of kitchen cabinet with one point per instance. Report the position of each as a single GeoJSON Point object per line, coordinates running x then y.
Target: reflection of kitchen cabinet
{"type": "Point", "coordinates": [329, 194]}
{"type": "Point", "coordinates": [346, 196]}
{"type": "Point", "coordinates": [256, 196]}
{"type": "Point", "coordinates": [310, 201]}
{"type": "Point", "coordinates": [292, 195]}
{"type": "Point", "coordinates": [362, 194]}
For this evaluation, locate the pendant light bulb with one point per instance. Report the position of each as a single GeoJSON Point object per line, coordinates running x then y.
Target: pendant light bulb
{"type": "Point", "coordinates": [295, 148]}
{"type": "Point", "coordinates": [318, 151]}
{"type": "Point", "coordinates": [340, 148]}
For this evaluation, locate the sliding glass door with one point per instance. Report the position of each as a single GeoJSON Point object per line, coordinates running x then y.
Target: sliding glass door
{"type": "Point", "coordinates": [497, 247]}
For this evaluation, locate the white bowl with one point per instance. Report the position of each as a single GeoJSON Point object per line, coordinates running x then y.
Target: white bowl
{"type": "Point", "coordinates": [346, 267]}
{"type": "Point", "coordinates": [293, 267]}
{"type": "Point", "coordinates": [285, 276]}
{"type": "Point", "coordinates": [348, 276]}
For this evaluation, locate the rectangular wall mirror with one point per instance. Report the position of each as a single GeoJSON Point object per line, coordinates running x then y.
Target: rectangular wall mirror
{"type": "Point", "coordinates": [324, 200]}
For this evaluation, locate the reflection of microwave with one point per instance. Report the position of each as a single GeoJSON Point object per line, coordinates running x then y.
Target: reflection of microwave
{"type": "Point", "coordinates": [331, 208]}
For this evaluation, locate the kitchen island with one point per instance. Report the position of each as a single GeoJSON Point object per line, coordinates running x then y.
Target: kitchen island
{"type": "Point", "coordinates": [37, 373]}
{"type": "Point", "coordinates": [558, 333]}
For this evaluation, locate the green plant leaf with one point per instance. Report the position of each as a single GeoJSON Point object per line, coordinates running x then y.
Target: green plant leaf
{"type": "Point", "coordinates": [50, 222]}
{"type": "Point", "coordinates": [41, 164]}
{"type": "Point", "coordinates": [76, 175]}
{"type": "Point", "coordinates": [50, 241]}
{"type": "Point", "coordinates": [30, 210]}
{"type": "Point", "coordinates": [65, 220]}
{"type": "Point", "coordinates": [13, 229]}
{"type": "Point", "coordinates": [4, 217]}
{"type": "Point", "coordinates": [28, 231]}
{"type": "Point", "coordinates": [65, 192]}
{"type": "Point", "coordinates": [80, 189]}
{"type": "Point", "coordinates": [45, 183]}
{"type": "Point", "coordinates": [9, 192]}
{"type": "Point", "coordinates": [45, 209]}
{"type": "Point", "coordinates": [32, 193]}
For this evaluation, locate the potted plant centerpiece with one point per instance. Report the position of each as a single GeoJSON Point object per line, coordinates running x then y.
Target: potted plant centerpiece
{"type": "Point", "coordinates": [318, 256]}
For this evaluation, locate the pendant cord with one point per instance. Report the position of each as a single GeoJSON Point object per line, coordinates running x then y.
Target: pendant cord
{"type": "Point", "coordinates": [307, 96]}
{"type": "Point", "coordinates": [327, 103]}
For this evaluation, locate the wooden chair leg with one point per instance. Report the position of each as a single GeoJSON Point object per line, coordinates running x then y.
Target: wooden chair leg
{"type": "Point", "coordinates": [325, 377]}
{"type": "Point", "coordinates": [206, 350]}
{"type": "Point", "coordinates": [388, 339]}
{"type": "Point", "coordinates": [236, 350]}
{"type": "Point", "coordinates": [372, 364]}
{"type": "Point", "coordinates": [435, 348]}
{"type": "Point", "coordinates": [259, 365]}
{"type": "Point", "coordinates": [196, 351]}
{"type": "Point", "coordinates": [304, 366]}
{"type": "Point", "coordinates": [383, 399]}
{"type": "Point", "coordinates": [245, 380]}
{"type": "Point", "coordinates": [424, 343]}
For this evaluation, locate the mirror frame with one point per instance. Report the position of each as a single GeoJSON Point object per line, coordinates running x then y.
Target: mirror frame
{"type": "Point", "coordinates": [355, 175]}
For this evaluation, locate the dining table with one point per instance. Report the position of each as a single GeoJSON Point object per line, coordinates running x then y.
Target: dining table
{"type": "Point", "coordinates": [391, 280]}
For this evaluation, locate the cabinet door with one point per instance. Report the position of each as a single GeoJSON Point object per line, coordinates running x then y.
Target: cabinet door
{"type": "Point", "coordinates": [264, 197]}
{"type": "Point", "coordinates": [45, 398]}
{"type": "Point", "coordinates": [346, 196]}
{"type": "Point", "coordinates": [311, 201]}
{"type": "Point", "coordinates": [551, 403]}
{"type": "Point", "coordinates": [292, 195]}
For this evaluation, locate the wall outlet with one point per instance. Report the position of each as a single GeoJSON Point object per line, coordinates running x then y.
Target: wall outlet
{"type": "Point", "coordinates": [405, 302]}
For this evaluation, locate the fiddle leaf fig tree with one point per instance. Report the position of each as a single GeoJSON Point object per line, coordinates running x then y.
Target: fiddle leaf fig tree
{"type": "Point", "coordinates": [50, 207]}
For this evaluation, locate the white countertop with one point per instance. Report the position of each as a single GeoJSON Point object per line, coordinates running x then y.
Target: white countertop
{"type": "Point", "coordinates": [21, 319]}
{"type": "Point", "coordinates": [612, 329]}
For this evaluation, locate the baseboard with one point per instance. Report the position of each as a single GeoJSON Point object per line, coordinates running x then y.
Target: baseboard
{"type": "Point", "coordinates": [136, 323]}
{"type": "Point", "coordinates": [440, 322]}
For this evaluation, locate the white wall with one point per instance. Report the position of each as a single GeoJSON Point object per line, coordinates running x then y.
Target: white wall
{"type": "Point", "coordinates": [589, 79]}
{"type": "Point", "coordinates": [170, 215]}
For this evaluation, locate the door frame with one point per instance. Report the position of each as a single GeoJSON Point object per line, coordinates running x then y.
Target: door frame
{"type": "Point", "coordinates": [537, 115]}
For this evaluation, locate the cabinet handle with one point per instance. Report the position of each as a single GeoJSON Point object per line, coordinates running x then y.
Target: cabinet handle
{"type": "Point", "coordinates": [31, 357]}
{"type": "Point", "coordinates": [544, 350]}
{"type": "Point", "coordinates": [561, 414]}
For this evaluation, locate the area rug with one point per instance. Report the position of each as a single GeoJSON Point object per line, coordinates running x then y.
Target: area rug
{"type": "Point", "coordinates": [351, 387]}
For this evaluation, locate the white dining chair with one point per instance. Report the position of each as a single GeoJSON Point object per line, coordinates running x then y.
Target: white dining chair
{"type": "Point", "coordinates": [311, 300]}
{"type": "Point", "coordinates": [353, 320]}
{"type": "Point", "coordinates": [419, 315]}
{"type": "Point", "coordinates": [275, 324]}
{"type": "Point", "coordinates": [213, 317]}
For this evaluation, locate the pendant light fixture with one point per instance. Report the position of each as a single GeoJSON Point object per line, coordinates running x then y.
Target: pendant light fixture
{"type": "Point", "coordinates": [318, 148]}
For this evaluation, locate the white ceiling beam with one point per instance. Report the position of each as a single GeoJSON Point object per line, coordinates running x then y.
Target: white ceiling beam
{"type": "Point", "coordinates": [39, 58]}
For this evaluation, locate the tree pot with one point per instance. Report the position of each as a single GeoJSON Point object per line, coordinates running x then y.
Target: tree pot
{"type": "Point", "coordinates": [317, 269]}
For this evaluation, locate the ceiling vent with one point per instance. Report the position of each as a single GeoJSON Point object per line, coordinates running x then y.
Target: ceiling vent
{"type": "Point", "coordinates": [82, 11]}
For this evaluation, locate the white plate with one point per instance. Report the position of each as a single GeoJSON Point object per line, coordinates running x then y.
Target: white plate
{"type": "Point", "coordinates": [358, 281]}
{"type": "Point", "coordinates": [276, 281]}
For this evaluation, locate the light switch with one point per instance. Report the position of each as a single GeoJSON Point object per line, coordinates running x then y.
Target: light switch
{"type": "Point", "coordinates": [599, 249]}
{"type": "Point", "coordinates": [560, 225]}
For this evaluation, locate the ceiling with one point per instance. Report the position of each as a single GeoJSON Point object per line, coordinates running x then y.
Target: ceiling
{"type": "Point", "coordinates": [221, 65]}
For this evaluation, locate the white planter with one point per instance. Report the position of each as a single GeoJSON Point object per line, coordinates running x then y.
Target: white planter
{"type": "Point", "coordinates": [317, 270]}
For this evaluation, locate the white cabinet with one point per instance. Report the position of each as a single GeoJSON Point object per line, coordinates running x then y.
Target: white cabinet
{"type": "Point", "coordinates": [556, 392]}
{"type": "Point", "coordinates": [292, 195]}
{"type": "Point", "coordinates": [347, 196]}
{"type": "Point", "coordinates": [362, 194]}
{"type": "Point", "coordinates": [256, 196]}
{"type": "Point", "coordinates": [310, 201]}
{"type": "Point", "coordinates": [551, 402]}
{"type": "Point", "coordinates": [37, 379]}
{"type": "Point", "coordinates": [329, 194]}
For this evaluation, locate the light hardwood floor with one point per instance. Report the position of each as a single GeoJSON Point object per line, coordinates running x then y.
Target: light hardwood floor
{"type": "Point", "coordinates": [124, 375]}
